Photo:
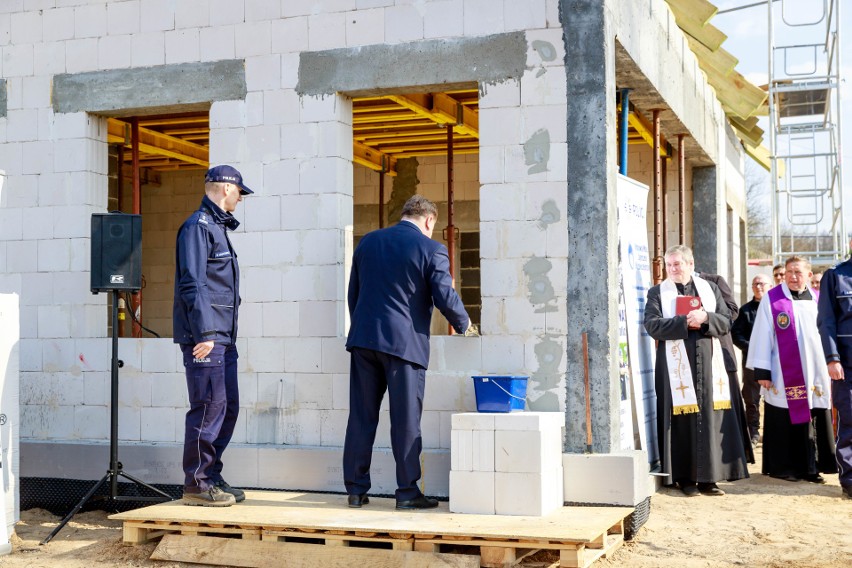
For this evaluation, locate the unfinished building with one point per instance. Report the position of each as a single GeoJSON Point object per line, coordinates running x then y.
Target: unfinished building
{"type": "Point", "coordinates": [506, 113]}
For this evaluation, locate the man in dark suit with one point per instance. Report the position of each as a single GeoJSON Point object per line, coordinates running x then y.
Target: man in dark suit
{"type": "Point", "coordinates": [398, 275]}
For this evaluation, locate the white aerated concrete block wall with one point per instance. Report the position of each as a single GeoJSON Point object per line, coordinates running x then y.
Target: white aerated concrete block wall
{"type": "Point", "coordinates": [506, 464]}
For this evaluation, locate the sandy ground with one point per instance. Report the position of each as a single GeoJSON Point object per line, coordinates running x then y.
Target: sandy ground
{"type": "Point", "coordinates": [760, 522]}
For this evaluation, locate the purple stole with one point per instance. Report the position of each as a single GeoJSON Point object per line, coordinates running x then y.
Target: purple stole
{"type": "Point", "coordinates": [791, 358]}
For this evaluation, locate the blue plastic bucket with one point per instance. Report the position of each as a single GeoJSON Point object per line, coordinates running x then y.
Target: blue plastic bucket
{"type": "Point", "coordinates": [500, 393]}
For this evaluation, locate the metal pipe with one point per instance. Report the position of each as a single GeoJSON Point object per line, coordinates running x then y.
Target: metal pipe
{"type": "Point", "coordinates": [451, 230]}
{"type": "Point", "coordinates": [658, 201]}
{"type": "Point", "coordinates": [136, 299]}
{"type": "Point", "coordinates": [622, 142]}
{"type": "Point", "coordinates": [681, 189]}
{"type": "Point", "coordinates": [120, 177]}
{"type": "Point", "coordinates": [665, 212]}
{"type": "Point", "coordinates": [382, 195]}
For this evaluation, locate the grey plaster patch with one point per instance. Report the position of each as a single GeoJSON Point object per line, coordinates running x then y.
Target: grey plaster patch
{"type": "Point", "coordinates": [3, 98]}
{"type": "Point", "coordinates": [537, 151]}
{"type": "Point", "coordinates": [162, 87]}
{"type": "Point", "coordinates": [419, 66]}
{"type": "Point", "coordinates": [404, 186]}
{"type": "Point", "coordinates": [544, 49]}
{"type": "Point", "coordinates": [549, 214]}
{"type": "Point", "coordinates": [548, 355]}
{"type": "Point", "coordinates": [705, 205]}
{"type": "Point", "coordinates": [540, 288]}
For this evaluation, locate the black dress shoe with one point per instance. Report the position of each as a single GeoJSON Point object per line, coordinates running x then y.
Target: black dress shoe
{"type": "Point", "coordinates": [846, 492]}
{"type": "Point", "coordinates": [355, 501]}
{"type": "Point", "coordinates": [814, 478]}
{"type": "Point", "coordinates": [689, 489]}
{"type": "Point", "coordinates": [421, 502]}
{"type": "Point", "coordinates": [710, 489]}
{"type": "Point", "coordinates": [785, 477]}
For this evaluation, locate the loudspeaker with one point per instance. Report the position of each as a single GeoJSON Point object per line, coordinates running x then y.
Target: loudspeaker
{"type": "Point", "coordinates": [116, 252]}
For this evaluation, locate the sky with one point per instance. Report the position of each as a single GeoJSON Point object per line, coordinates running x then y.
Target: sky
{"type": "Point", "coordinates": [747, 32]}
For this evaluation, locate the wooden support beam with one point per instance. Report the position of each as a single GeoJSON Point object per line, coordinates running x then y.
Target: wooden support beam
{"type": "Point", "coordinates": [448, 107]}
{"type": "Point", "coordinates": [374, 159]}
{"type": "Point", "coordinates": [643, 128]}
{"type": "Point", "coordinates": [153, 142]}
{"type": "Point", "coordinates": [695, 24]}
{"type": "Point", "coordinates": [700, 10]}
{"type": "Point", "coordinates": [720, 60]}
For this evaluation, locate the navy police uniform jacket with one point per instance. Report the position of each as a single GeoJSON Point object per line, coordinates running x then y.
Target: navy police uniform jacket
{"type": "Point", "coordinates": [398, 274]}
{"type": "Point", "coordinates": [207, 278]}
{"type": "Point", "coordinates": [835, 329]}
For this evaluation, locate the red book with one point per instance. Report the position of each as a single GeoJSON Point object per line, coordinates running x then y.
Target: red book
{"type": "Point", "coordinates": [685, 304]}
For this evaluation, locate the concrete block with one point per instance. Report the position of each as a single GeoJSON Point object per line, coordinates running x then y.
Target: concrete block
{"type": "Point", "coordinates": [365, 27]}
{"type": "Point", "coordinates": [130, 351]}
{"type": "Point", "coordinates": [261, 285]}
{"type": "Point", "coordinates": [157, 15]}
{"type": "Point", "coordinates": [547, 88]}
{"type": "Point", "coordinates": [551, 118]}
{"type": "Point", "coordinates": [81, 55]}
{"type": "Point", "coordinates": [333, 427]}
{"type": "Point", "coordinates": [472, 421]}
{"type": "Point", "coordinates": [161, 356]}
{"type": "Point", "coordinates": [558, 166]}
{"type": "Point", "coordinates": [54, 321]}
{"type": "Point", "coordinates": [299, 212]}
{"type": "Point", "coordinates": [281, 247]}
{"type": "Point", "coordinates": [114, 52]}
{"type": "Point", "coordinates": [619, 478]}
{"type": "Point", "coordinates": [182, 46]}
{"type": "Point", "coordinates": [226, 12]}
{"type": "Point", "coordinates": [30, 353]}
{"type": "Point", "coordinates": [529, 421]}
{"type": "Point", "coordinates": [217, 44]}
{"type": "Point", "coordinates": [325, 175]}
{"type": "Point", "coordinates": [461, 450]}
{"type": "Point", "coordinates": [501, 278]}
{"type": "Point", "coordinates": [462, 354]}
{"type": "Point", "coordinates": [262, 143]}
{"type": "Point", "coordinates": [282, 177]}
{"type": "Point", "coordinates": [326, 30]}
{"type": "Point", "coordinates": [280, 319]}
{"type": "Point", "coordinates": [340, 391]}
{"type": "Point", "coordinates": [323, 246]}
{"type": "Point", "coordinates": [26, 27]}
{"type": "Point", "coordinates": [228, 146]}
{"type": "Point", "coordinates": [49, 57]}
{"type": "Point", "coordinates": [483, 450]}
{"type": "Point", "coordinates": [135, 391]}
{"type": "Point", "coordinates": [91, 422]}
{"type": "Point", "coordinates": [263, 213]}
{"type": "Point", "coordinates": [251, 39]}
{"type": "Point", "coordinates": [481, 18]}
{"type": "Point", "coordinates": [57, 24]}
{"type": "Point", "coordinates": [266, 355]}
{"type": "Point", "coordinates": [491, 164]}
{"type": "Point", "coordinates": [96, 389]}
{"type": "Point", "coordinates": [21, 256]}
{"type": "Point", "coordinates": [37, 289]}
{"type": "Point", "coordinates": [36, 92]}
{"type": "Point", "coordinates": [261, 10]}
{"type": "Point", "coordinates": [303, 428]}
{"type": "Point", "coordinates": [403, 23]}
{"type": "Point", "coordinates": [54, 255]}
{"type": "Point", "coordinates": [303, 355]}
{"type": "Point", "coordinates": [192, 14]}
{"type": "Point", "coordinates": [148, 49]}
{"type": "Point", "coordinates": [254, 109]}
{"type": "Point", "coordinates": [159, 425]}
{"type": "Point", "coordinates": [335, 358]}
{"type": "Point", "coordinates": [28, 321]}
{"type": "Point", "coordinates": [300, 140]}
{"type": "Point", "coordinates": [90, 21]}
{"type": "Point", "coordinates": [311, 391]}
{"type": "Point", "coordinates": [289, 35]}
{"type": "Point", "coordinates": [21, 126]}
{"type": "Point", "coordinates": [38, 221]}
{"type": "Point", "coordinates": [319, 319]}
{"type": "Point", "coordinates": [443, 19]}
{"type": "Point", "coordinates": [228, 114]}
{"type": "Point", "coordinates": [527, 451]}
{"type": "Point", "coordinates": [289, 70]}
{"type": "Point", "coordinates": [430, 427]}
{"type": "Point", "coordinates": [130, 424]}
{"type": "Point", "coordinates": [93, 354]}
{"type": "Point", "coordinates": [524, 15]}
{"type": "Point", "coordinates": [500, 126]}
{"type": "Point", "coordinates": [87, 320]}
{"type": "Point", "coordinates": [271, 392]}
{"type": "Point", "coordinates": [535, 494]}
{"type": "Point", "coordinates": [453, 392]}
{"type": "Point", "coordinates": [503, 355]}
{"type": "Point", "coordinates": [472, 492]}
{"type": "Point", "coordinates": [251, 319]}
{"type": "Point", "coordinates": [170, 390]}
{"type": "Point", "coordinates": [281, 106]}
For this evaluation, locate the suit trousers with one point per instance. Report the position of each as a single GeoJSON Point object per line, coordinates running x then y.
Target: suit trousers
{"type": "Point", "coordinates": [751, 396]}
{"type": "Point", "coordinates": [371, 374]}
{"type": "Point", "coordinates": [841, 394]}
{"type": "Point", "coordinates": [214, 404]}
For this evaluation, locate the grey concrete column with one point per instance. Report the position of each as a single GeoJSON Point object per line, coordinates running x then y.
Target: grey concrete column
{"type": "Point", "coordinates": [706, 215]}
{"type": "Point", "coordinates": [592, 303]}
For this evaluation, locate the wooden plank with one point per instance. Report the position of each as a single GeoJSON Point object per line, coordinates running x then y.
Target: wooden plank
{"type": "Point", "coordinates": [496, 557]}
{"type": "Point", "coordinates": [231, 552]}
{"type": "Point", "coordinates": [701, 10]}
{"type": "Point", "coordinates": [134, 534]}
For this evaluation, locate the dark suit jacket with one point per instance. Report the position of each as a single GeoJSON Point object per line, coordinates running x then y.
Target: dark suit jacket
{"type": "Point", "coordinates": [727, 345]}
{"type": "Point", "coordinates": [398, 274]}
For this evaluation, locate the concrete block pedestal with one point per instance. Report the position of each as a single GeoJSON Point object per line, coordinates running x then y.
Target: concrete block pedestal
{"type": "Point", "coordinates": [506, 464]}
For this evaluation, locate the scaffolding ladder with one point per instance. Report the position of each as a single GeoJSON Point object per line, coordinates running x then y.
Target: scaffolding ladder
{"type": "Point", "coordinates": [804, 131]}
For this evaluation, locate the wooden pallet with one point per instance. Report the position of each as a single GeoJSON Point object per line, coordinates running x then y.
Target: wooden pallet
{"type": "Point", "coordinates": [311, 529]}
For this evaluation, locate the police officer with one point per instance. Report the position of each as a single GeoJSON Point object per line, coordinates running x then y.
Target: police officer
{"type": "Point", "coordinates": [835, 328]}
{"type": "Point", "coordinates": [206, 300]}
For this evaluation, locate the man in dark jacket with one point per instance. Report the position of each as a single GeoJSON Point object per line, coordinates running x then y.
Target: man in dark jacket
{"type": "Point", "coordinates": [741, 333]}
{"type": "Point", "coordinates": [398, 275]}
{"type": "Point", "coordinates": [206, 301]}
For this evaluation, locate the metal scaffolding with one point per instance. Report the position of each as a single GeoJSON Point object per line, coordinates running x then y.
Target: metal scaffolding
{"type": "Point", "coordinates": [804, 130]}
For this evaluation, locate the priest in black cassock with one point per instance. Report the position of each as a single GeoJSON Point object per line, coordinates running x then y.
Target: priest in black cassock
{"type": "Point", "coordinates": [700, 439]}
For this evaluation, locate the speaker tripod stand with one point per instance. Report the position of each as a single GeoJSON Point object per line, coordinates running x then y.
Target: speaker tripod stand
{"type": "Point", "coordinates": [115, 467]}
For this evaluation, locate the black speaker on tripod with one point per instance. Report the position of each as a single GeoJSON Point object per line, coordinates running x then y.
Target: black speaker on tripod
{"type": "Point", "coordinates": [116, 267]}
{"type": "Point", "coordinates": [116, 252]}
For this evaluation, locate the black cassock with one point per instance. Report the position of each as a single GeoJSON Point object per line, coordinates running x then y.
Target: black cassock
{"type": "Point", "coordinates": [706, 446]}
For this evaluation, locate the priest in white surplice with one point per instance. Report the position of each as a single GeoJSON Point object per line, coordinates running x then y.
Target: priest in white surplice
{"type": "Point", "coordinates": [700, 439]}
{"type": "Point", "coordinates": [786, 354]}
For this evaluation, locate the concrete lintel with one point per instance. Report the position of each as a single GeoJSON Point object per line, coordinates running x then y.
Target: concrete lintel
{"type": "Point", "coordinates": [706, 203]}
{"type": "Point", "coordinates": [422, 66]}
{"type": "Point", "coordinates": [164, 87]}
{"type": "Point", "coordinates": [592, 224]}
{"type": "Point", "coordinates": [3, 101]}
